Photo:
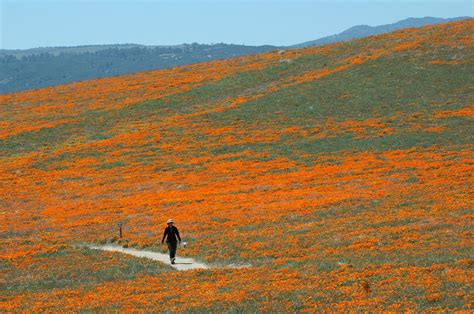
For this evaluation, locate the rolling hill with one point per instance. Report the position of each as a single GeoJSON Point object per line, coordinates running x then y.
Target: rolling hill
{"type": "Point", "coordinates": [341, 174]}
{"type": "Point", "coordinates": [42, 67]}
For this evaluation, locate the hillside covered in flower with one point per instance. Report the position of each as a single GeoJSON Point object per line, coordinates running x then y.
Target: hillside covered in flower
{"type": "Point", "coordinates": [341, 175]}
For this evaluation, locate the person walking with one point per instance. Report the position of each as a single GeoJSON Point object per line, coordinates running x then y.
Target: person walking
{"type": "Point", "coordinates": [172, 237]}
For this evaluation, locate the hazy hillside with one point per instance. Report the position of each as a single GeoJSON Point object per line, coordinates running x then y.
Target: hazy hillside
{"type": "Point", "coordinates": [341, 175]}
{"type": "Point", "coordinates": [19, 53]}
{"type": "Point", "coordinates": [42, 67]}
{"type": "Point", "coordinates": [361, 31]}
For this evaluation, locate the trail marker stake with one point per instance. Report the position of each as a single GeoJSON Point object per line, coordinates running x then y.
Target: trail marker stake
{"type": "Point", "coordinates": [120, 224]}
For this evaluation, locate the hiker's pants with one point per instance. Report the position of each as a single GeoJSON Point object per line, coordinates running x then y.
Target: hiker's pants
{"type": "Point", "coordinates": [172, 248]}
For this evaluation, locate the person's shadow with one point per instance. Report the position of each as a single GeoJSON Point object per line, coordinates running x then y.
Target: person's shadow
{"type": "Point", "coordinates": [182, 263]}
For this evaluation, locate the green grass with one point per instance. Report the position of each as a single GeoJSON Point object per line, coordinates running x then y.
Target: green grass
{"type": "Point", "coordinates": [70, 268]}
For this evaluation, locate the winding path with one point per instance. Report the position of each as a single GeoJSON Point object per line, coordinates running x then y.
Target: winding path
{"type": "Point", "coordinates": [182, 263]}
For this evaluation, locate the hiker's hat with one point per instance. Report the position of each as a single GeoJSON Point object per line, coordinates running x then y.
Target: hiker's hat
{"type": "Point", "coordinates": [169, 221]}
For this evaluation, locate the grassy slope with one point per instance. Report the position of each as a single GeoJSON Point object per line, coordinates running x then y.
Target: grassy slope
{"type": "Point", "coordinates": [343, 173]}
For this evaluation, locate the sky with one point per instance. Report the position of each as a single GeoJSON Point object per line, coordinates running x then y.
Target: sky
{"type": "Point", "coordinates": [46, 23]}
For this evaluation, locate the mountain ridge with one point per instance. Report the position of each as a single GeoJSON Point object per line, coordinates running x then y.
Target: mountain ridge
{"type": "Point", "coordinates": [360, 31]}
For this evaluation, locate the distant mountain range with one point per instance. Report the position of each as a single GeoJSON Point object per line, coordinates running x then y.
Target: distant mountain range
{"type": "Point", "coordinates": [59, 50]}
{"type": "Point", "coordinates": [42, 67]}
{"type": "Point", "coordinates": [361, 31]}
{"type": "Point", "coordinates": [56, 51]}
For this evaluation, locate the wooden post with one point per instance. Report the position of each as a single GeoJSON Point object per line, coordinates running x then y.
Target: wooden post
{"type": "Point", "coordinates": [120, 229]}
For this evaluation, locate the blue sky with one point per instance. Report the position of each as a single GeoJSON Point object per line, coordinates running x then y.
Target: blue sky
{"type": "Point", "coordinates": [44, 23]}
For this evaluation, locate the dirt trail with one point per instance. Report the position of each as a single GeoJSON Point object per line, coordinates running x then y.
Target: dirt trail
{"type": "Point", "coordinates": [182, 263]}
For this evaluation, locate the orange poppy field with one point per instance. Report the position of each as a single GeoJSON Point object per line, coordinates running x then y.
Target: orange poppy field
{"type": "Point", "coordinates": [339, 176]}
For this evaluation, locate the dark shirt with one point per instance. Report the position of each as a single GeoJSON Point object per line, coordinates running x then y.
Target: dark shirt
{"type": "Point", "coordinates": [171, 233]}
